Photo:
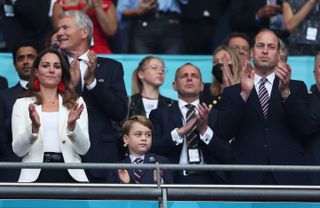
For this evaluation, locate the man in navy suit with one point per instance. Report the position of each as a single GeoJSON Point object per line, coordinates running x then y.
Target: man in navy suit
{"type": "Point", "coordinates": [23, 55]}
{"type": "Point", "coordinates": [100, 82]}
{"type": "Point", "coordinates": [265, 114]}
{"type": "Point", "coordinates": [171, 128]}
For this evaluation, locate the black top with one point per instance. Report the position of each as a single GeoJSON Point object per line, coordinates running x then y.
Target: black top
{"type": "Point", "coordinates": [207, 97]}
{"type": "Point", "coordinates": [136, 105]}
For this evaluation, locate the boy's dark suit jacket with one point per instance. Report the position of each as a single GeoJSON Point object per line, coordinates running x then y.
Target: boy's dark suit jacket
{"type": "Point", "coordinates": [147, 174]}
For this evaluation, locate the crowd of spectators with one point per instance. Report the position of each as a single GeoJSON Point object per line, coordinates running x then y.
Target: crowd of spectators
{"type": "Point", "coordinates": [167, 26]}
{"type": "Point", "coordinates": [70, 105]}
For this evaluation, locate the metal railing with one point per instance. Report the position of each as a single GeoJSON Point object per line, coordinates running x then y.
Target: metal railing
{"type": "Point", "coordinates": [158, 191]}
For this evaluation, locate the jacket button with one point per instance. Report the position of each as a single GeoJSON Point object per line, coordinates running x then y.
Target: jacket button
{"type": "Point", "coordinates": [64, 141]}
{"type": "Point", "coordinates": [265, 145]}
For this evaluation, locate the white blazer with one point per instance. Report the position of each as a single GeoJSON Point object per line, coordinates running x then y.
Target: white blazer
{"type": "Point", "coordinates": [30, 147]}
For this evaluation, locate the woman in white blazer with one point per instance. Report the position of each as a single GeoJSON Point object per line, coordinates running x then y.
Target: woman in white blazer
{"type": "Point", "coordinates": [50, 122]}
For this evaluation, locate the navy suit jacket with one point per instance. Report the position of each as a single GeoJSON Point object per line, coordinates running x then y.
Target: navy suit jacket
{"type": "Point", "coordinates": [3, 83]}
{"type": "Point", "coordinates": [147, 174]}
{"type": "Point", "coordinates": [167, 118]}
{"type": "Point", "coordinates": [7, 100]}
{"type": "Point", "coordinates": [275, 140]}
{"type": "Point", "coordinates": [312, 142]}
{"type": "Point", "coordinates": [106, 103]}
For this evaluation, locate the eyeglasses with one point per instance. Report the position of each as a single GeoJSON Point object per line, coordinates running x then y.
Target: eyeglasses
{"type": "Point", "coordinates": [155, 67]}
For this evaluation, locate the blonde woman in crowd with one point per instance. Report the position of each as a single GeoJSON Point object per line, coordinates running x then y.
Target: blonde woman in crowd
{"type": "Point", "coordinates": [226, 71]}
{"type": "Point", "coordinates": [146, 81]}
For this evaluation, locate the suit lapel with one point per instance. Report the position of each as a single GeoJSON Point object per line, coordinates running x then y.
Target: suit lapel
{"type": "Point", "coordinates": [255, 101]}
{"type": "Point", "coordinates": [275, 95]}
{"type": "Point", "coordinates": [139, 106]}
{"type": "Point", "coordinates": [130, 171]}
{"type": "Point", "coordinates": [147, 174]}
{"type": "Point", "coordinates": [98, 71]}
{"type": "Point", "coordinates": [39, 110]}
{"type": "Point", "coordinates": [146, 161]}
{"type": "Point", "coordinates": [63, 111]}
{"type": "Point", "coordinates": [176, 115]}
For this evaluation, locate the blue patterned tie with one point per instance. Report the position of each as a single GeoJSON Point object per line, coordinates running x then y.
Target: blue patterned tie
{"type": "Point", "coordinates": [264, 96]}
{"type": "Point", "coordinates": [137, 172]}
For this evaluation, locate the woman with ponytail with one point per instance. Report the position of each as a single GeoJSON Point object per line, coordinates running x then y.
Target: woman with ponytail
{"type": "Point", "coordinates": [146, 81]}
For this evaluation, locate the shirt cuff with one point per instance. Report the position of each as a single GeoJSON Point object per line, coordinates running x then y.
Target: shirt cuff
{"type": "Point", "coordinates": [175, 137]}
{"type": "Point", "coordinates": [207, 136]}
{"type": "Point", "coordinates": [34, 137]}
{"type": "Point", "coordinates": [284, 99]}
{"type": "Point", "coordinates": [92, 85]}
{"type": "Point", "coordinates": [69, 133]}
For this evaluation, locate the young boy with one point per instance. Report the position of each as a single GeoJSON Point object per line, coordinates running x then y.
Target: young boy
{"type": "Point", "coordinates": [137, 135]}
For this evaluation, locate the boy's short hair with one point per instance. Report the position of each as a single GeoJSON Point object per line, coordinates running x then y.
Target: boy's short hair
{"type": "Point", "coordinates": [136, 119]}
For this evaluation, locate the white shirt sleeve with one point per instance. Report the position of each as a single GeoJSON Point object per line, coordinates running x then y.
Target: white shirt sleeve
{"type": "Point", "coordinates": [92, 85]}
{"type": "Point", "coordinates": [207, 136]}
{"type": "Point", "coordinates": [175, 137]}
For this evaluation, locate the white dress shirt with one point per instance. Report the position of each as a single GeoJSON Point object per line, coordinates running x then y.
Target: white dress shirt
{"type": "Point", "coordinates": [206, 137]}
{"type": "Point", "coordinates": [24, 84]}
{"type": "Point", "coordinates": [132, 158]}
{"type": "Point", "coordinates": [268, 84]}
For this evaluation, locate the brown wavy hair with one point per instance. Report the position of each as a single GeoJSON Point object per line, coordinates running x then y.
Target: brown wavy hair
{"type": "Point", "coordinates": [69, 96]}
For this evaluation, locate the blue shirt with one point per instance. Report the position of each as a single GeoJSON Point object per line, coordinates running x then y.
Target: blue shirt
{"type": "Point", "coordinates": [163, 6]}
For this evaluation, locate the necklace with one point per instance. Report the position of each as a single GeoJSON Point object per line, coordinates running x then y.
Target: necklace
{"type": "Point", "coordinates": [51, 101]}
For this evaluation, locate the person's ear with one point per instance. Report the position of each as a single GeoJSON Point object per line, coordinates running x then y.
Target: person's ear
{"type": "Point", "coordinates": [125, 139]}
{"type": "Point", "coordinates": [174, 85]}
{"type": "Point", "coordinates": [84, 33]}
{"type": "Point", "coordinates": [202, 86]}
{"type": "Point", "coordinates": [140, 74]}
